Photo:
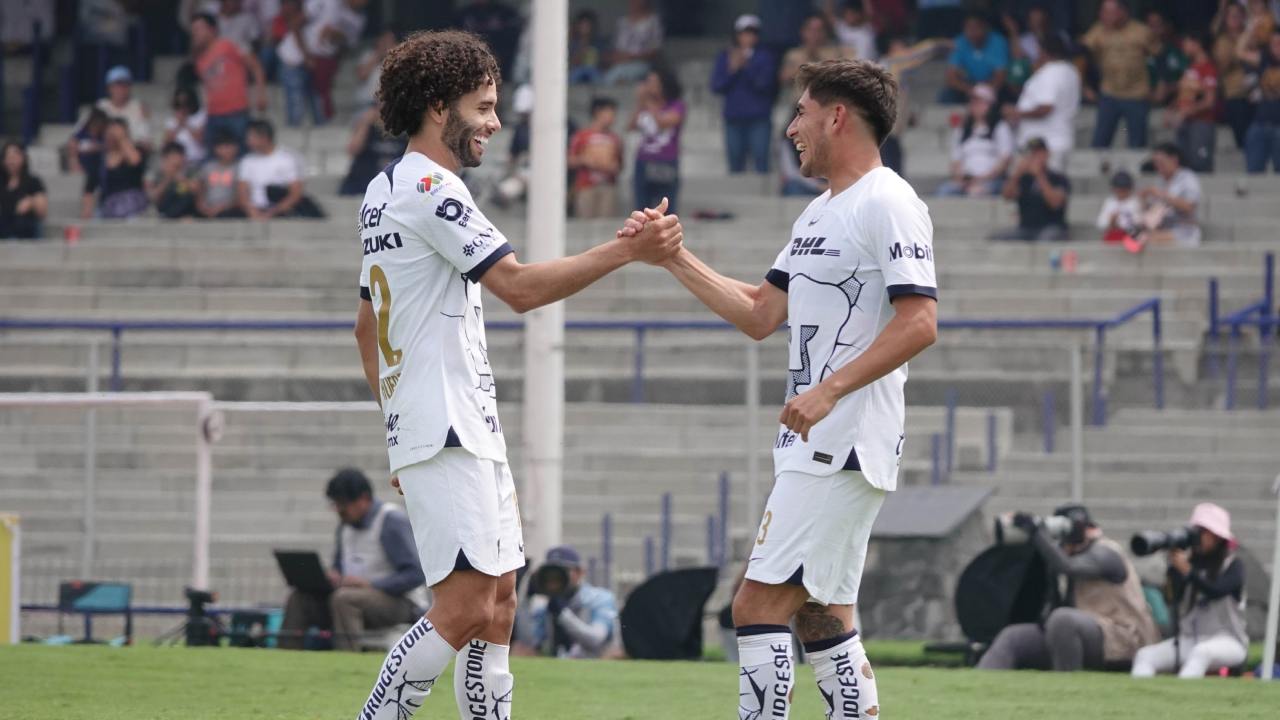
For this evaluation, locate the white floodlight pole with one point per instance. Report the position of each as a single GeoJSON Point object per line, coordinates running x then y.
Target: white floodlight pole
{"type": "Point", "coordinates": [1273, 600]}
{"type": "Point", "coordinates": [543, 410]}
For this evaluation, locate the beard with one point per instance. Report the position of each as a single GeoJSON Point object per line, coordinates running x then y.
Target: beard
{"type": "Point", "coordinates": [814, 165]}
{"type": "Point", "coordinates": [457, 136]}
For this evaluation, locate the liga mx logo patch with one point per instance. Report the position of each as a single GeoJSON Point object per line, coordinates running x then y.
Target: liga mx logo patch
{"type": "Point", "coordinates": [429, 184]}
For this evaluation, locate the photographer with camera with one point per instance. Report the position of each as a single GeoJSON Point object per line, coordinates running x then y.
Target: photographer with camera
{"type": "Point", "coordinates": [1206, 581]}
{"type": "Point", "coordinates": [1103, 618]}
{"type": "Point", "coordinates": [564, 616]}
{"type": "Point", "coordinates": [376, 579]}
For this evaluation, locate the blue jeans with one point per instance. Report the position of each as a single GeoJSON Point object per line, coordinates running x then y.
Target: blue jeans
{"type": "Point", "coordinates": [948, 95]}
{"type": "Point", "coordinates": [626, 73]}
{"type": "Point", "coordinates": [1110, 110]}
{"type": "Point", "coordinates": [648, 192]}
{"type": "Point", "coordinates": [234, 124]}
{"type": "Point", "coordinates": [743, 137]}
{"type": "Point", "coordinates": [951, 188]}
{"type": "Point", "coordinates": [584, 75]}
{"type": "Point", "coordinates": [299, 98]}
{"type": "Point", "coordinates": [1262, 143]}
{"type": "Point", "coordinates": [270, 61]}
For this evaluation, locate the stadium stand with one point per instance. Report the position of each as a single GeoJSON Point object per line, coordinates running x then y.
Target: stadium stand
{"type": "Point", "coordinates": [1143, 469]}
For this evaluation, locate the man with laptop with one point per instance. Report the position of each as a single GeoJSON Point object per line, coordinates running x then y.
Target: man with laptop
{"type": "Point", "coordinates": [376, 580]}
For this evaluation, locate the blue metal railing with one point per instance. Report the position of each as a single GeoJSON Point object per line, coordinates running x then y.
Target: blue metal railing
{"type": "Point", "coordinates": [640, 329]}
{"type": "Point", "coordinates": [1264, 315]}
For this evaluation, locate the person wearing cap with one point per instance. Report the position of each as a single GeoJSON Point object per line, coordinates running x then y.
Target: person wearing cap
{"type": "Point", "coordinates": [744, 73]}
{"type": "Point", "coordinates": [376, 578]}
{"type": "Point", "coordinates": [981, 148]}
{"type": "Point", "coordinates": [120, 103]}
{"type": "Point", "coordinates": [1102, 618]}
{"type": "Point", "coordinates": [1041, 193]}
{"type": "Point", "coordinates": [1121, 212]}
{"type": "Point", "coordinates": [565, 616]}
{"type": "Point", "coordinates": [1208, 585]}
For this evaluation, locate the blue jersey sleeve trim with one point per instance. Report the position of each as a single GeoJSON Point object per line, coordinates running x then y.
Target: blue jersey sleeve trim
{"type": "Point", "coordinates": [364, 293]}
{"type": "Point", "coordinates": [389, 171]}
{"type": "Point", "coordinates": [896, 291]}
{"type": "Point", "coordinates": [778, 279]}
{"type": "Point", "coordinates": [477, 272]}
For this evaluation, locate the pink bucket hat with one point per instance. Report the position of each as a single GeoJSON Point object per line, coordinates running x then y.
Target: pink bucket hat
{"type": "Point", "coordinates": [1213, 518]}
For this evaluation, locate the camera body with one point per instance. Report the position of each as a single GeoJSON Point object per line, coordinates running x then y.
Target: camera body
{"type": "Point", "coordinates": [1056, 527]}
{"type": "Point", "coordinates": [1152, 541]}
{"type": "Point", "coordinates": [550, 580]}
{"type": "Point", "coordinates": [199, 598]}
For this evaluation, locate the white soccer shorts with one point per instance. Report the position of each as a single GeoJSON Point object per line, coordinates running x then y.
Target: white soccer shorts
{"type": "Point", "coordinates": [464, 514]}
{"type": "Point", "coordinates": [816, 529]}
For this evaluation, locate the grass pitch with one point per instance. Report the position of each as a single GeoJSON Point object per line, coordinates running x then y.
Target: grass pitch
{"type": "Point", "coordinates": [100, 683]}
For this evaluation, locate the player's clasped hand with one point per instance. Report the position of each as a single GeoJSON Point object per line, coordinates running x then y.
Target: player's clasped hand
{"type": "Point", "coordinates": [659, 235]}
{"type": "Point", "coordinates": [656, 239]}
{"type": "Point", "coordinates": [395, 483]}
{"type": "Point", "coordinates": [805, 410]}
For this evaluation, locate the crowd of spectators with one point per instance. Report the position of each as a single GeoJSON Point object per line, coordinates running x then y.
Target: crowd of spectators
{"type": "Point", "coordinates": [213, 155]}
{"type": "Point", "coordinates": [1019, 69]}
{"type": "Point", "coordinates": [1168, 72]}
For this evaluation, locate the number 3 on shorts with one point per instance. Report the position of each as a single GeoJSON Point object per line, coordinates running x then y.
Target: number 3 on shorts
{"type": "Point", "coordinates": [764, 527]}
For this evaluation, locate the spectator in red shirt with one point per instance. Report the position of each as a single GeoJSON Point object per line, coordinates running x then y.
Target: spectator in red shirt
{"type": "Point", "coordinates": [1193, 112]}
{"type": "Point", "coordinates": [595, 156]}
{"type": "Point", "coordinates": [224, 70]}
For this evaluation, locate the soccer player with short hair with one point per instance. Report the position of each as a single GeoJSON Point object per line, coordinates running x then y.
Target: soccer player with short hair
{"type": "Point", "coordinates": [856, 285]}
{"type": "Point", "coordinates": [420, 329]}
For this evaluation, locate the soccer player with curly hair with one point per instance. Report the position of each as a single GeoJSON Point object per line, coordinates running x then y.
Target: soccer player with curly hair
{"type": "Point", "coordinates": [420, 328]}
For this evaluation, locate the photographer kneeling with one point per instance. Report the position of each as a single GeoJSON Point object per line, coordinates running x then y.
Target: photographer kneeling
{"type": "Point", "coordinates": [1208, 590]}
{"type": "Point", "coordinates": [1104, 617]}
{"type": "Point", "coordinates": [564, 616]}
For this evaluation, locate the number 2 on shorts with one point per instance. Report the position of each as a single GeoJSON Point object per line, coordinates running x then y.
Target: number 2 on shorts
{"type": "Point", "coordinates": [764, 527]}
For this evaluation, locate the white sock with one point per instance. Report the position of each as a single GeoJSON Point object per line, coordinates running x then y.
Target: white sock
{"type": "Point", "coordinates": [844, 677]}
{"type": "Point", "coordinates": [766, 673]}
{"type": "Point", "coordinates": [482, 681]}
{"type": "Point", "coordinates": [411, 668]}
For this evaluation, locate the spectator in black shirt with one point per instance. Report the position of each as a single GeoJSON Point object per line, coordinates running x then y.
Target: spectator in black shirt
{"type": "Point", "coordinates": [23, 201]}
{"type": "Point", "coordinates": [1041, 194]}
{"type": "Point", "coordinates": [84, 155]}
{"type": "Point", "coordinates": [171, 189]}
{"type": "Point", "coordinates": [371, 149]}
{"type": "Point", "coordinates": [120, 192]}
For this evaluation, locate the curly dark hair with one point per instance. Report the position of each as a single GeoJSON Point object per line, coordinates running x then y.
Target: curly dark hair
{"type": "Point", "coordinates": [431, 70]}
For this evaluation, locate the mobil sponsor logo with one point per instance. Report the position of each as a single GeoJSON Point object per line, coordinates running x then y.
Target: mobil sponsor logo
{"type": "Point", "coordinates": [910, 251]}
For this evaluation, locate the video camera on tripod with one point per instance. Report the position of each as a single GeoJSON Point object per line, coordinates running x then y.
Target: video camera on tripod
{"type": "Point", "coordinates": [201, 628]}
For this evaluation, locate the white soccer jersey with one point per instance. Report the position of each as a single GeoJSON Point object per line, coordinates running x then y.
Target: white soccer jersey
{"type": "Point", "coordinates": [849, 256]}
{"type": "Point", "coordinates": [425, 248]}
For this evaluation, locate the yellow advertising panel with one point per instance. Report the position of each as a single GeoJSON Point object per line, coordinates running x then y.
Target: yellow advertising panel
{"type": "Point", "coordinates": [10, 539]}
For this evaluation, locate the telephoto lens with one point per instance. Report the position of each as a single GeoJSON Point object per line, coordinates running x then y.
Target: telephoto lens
{"type": "Point", "coordinates": [1151, 541]}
